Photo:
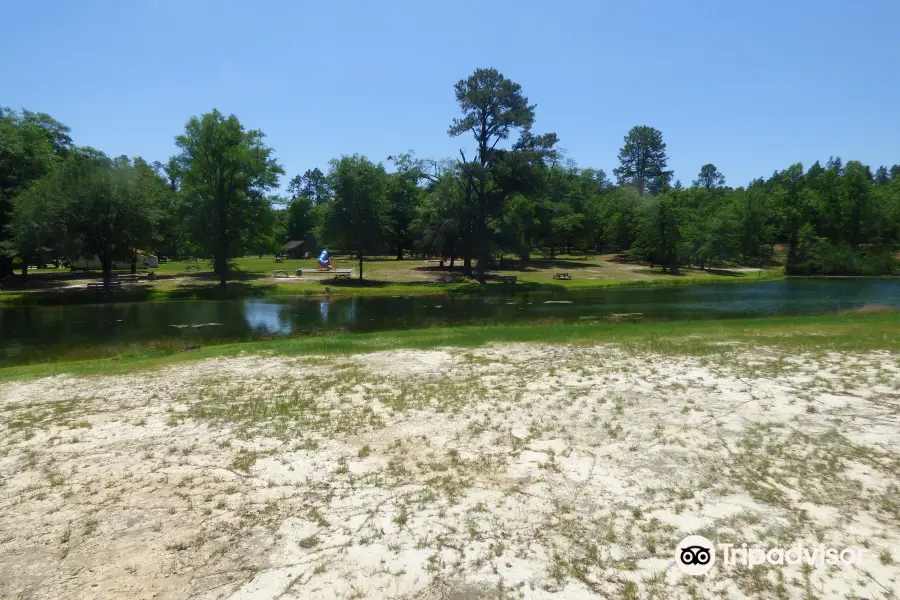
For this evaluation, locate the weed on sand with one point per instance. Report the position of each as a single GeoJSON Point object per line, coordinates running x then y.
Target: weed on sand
{"type": "Point", "coordinates": [501, 470]}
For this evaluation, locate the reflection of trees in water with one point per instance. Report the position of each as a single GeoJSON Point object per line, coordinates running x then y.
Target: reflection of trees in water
{"type": "Point", "coordinates": [344, 312]}
{"type": "Point", "coordinates": [350, 310]}
{"type": "Point", "coordinates": [267, 317]}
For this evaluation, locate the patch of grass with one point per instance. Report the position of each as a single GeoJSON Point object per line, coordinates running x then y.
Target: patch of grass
{"type": "Point", "coordinates": [29, 417]}
{"type": "Point", "coordinates": [316, 516]}
{"type": "Point", "coordinates": [90, 526]}
{"type": "Point", "coordinates": [628, 591]}
{"type": "Point", "coordinates": [402, 517]}
{"type": "Point", "coordinates": [245, 459]}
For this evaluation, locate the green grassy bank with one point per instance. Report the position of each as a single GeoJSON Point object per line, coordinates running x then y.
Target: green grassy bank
{"type": "Point", "coordinates": [849, 332]}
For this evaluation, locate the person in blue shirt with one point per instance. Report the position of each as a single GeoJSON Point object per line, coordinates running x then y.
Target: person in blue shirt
{"type": "Point", "coordinates": [325, 262]}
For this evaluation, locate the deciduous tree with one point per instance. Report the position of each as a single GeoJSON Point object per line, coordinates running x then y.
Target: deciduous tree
{"type": "Point", "coordinates": [355, 217]}
{"type": "Point", "coordinates": [223, 172]}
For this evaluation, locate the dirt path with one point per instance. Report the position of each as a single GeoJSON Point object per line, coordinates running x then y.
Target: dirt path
{"type": "Point", "coordinates": [516, 471]}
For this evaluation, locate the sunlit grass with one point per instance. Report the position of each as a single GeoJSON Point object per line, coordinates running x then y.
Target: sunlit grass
{"type": "Point", "coordinates": [698, 338]}
{"type": "Point", "coordinates": [383, 276]}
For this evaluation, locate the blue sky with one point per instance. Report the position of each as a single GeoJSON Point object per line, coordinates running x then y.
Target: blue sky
{"type": "Point", "coordinates": [751, 86]}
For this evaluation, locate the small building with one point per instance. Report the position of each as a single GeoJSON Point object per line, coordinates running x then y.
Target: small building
{"type": "Point", "coordinates": [293, 249]}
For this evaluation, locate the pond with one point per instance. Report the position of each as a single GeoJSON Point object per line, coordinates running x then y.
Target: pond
{"type": "Point", "coordinates": [30, 332]}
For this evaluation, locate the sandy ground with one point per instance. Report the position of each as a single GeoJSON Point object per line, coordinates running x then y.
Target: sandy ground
{"type": "Point", "coordinates": [514, 471]}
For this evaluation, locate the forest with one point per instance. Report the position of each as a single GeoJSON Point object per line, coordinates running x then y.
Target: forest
{"type": "Point", "coordinates": [511, 194]}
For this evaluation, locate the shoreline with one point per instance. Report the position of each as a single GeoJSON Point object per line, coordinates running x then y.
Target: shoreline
{"type": "Point", "coordinates": [856, 331]}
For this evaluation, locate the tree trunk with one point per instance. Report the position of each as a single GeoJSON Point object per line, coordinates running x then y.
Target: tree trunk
{"type": "Point", "coordinates": [467, 265]}
{"type": "Point", "coordinates": [24, 271]}
{"type": "Point", "coordinates": [221, 267]}
{"type": "Point", "coordinates": [360, 266]}
{"type": "Point", "coordinates": [107, 272]}
{"type": "Point", "coordinates": [482, 256]}
{"type": "Point", "coordinates": [399, 252]}
{"type": "Point", "coordinates": [452, 260]}
{"type": "Point", "coordinates": [134, 262]}
{"type": "Point", "coordinates": [481, 233]}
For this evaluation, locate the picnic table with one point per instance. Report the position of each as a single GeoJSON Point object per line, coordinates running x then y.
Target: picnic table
{"type": "Point", "coordinates": [279, 258]}
{"type": "Point", "coordinates": [280, 273]}
{"type": "Point", "coordinates": [113, 285]}
{"type": "Point", "coordinates": [509, 278]}
{"type": "Point", "coordinates": [562, 275]}
{"type": "Point", "coordinates": [192, 268]}
{"type": "Point", "coordinates": [336, 273]}
{"type": "Point", "coordinates": [130, 277]}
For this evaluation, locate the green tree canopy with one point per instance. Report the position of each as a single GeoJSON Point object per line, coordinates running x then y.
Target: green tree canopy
{"type": "Point", "coordinates": [493, 107]}
{"type": "Point", "coordinates": [356, 216]}
{"type": "Point", "coordinates": [643, 160]}
{"type": "Point", "coordinates": [313, 185]}
{"type": "Point", "coordinates": [31, 144]}
{"type": "Point", "coordinates": [223, 172]}
{"type": "Point", "coordinates": [709, 178]}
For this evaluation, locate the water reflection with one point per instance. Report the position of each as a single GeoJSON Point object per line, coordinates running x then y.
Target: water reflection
{"type": "Point", "coordinates": [350, 308]}
{"type": "Point", "coordinates": [36, 331]}
{"type": "Point", "coordinates": [267, 317]}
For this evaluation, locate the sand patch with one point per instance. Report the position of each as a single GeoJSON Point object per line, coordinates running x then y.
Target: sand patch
{"type": "Point", "coordinates": [517, 470]}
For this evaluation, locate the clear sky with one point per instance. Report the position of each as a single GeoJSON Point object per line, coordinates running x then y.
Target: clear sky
{"type": "Point", "coordinates": [751, 85]}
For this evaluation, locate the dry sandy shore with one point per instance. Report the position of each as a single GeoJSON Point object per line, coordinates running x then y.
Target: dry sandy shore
{"type": "Point", "coordinates": [513, 471]}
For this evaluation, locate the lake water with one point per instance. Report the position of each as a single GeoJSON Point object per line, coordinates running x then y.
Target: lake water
{"type": "Point", "coordinates": [27, 332]}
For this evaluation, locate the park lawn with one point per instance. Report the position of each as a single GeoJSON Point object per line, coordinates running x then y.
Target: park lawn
{"type": "Point", "coordinates": [253, 276]}
{"type": "Point", "coordinates": [410, 276]}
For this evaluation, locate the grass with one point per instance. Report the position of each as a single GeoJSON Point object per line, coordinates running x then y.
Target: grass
{"type": "Point", "coordinates": [383, 276]}
{"type": "Point", "coordinates": [849, 332]}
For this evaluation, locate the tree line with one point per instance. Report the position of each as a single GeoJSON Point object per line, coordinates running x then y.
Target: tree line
{"type": "Point", "coordinates": [513, 194]}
